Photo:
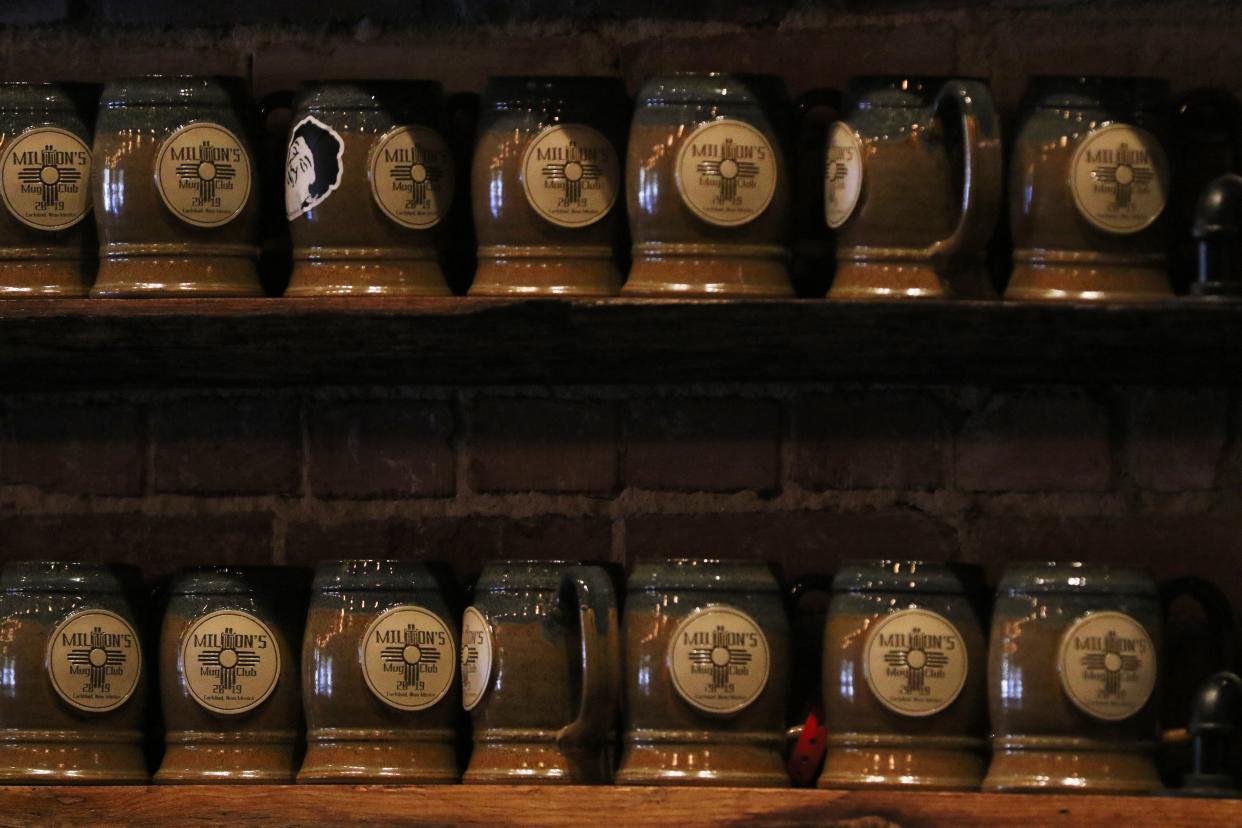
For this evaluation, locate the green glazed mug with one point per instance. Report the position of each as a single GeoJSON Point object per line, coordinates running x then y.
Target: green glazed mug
{"type": "Point", "coordinates": [369, 181]}
{"type": "Point", "coordinates": [540, 665]}
{"type": "Point", "coordinates": [73, 678]}
{"type": "Point", "coordinates": [706, 675]}
{"type": "Point", "coordinates": [45, 176]}
{"type": "Point", "coordinates": [904, 679]}
{"type": "Point", "coordinates": [228, 667]}
{"type": "Point", "coordinates": [1074, 675]}
{"type": "Point", "coordinates": [175, 189]}
{"type": "Point", "coordinates": [708, 187]}
{"type": "Point", "coordinates": [379, 675]}
{"type": "Point", "coordinates": [912, 187]}
{"type": "Point", "coordinates": [545, 186]}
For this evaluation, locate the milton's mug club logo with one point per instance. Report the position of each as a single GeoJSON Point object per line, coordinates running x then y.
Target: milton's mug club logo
{"type": "Point", "coordinates": [570, 173]}
{"type": "Point", "coordinates": [45, 174]}
{"type": "Point", "coordinates": [411, 174]}
{"type": "Point", "coordinates": [49, 173]}
{"type": "Point", "coordinates": [914, 662]}
{"type": "Point", "coordinates": [726, 172]}
{"type": "Point", "coordinates": [94, 659]}
{"type": "Point", "coordinates": [207, 171]}
{"type": "Point", "coordinates": [1108, 665]}
{"type": "Point", "coordinates": [230, 661]}
{"type": "Point", "coordinates": [719, 659]}
{"type": "Point", "coordinates": [407, 657]}
{"type": "Point", "coordinates": [1119, 178]}
{"type": "Point", "coordinates": [202, 172]}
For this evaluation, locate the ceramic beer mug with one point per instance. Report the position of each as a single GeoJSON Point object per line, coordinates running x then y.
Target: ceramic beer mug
{"type": "Point", "coordinates": [706, 675]}
{"type": "Point", "coordinates": [174, 189]}
{"type": "Point", "coordinates": [369, 179]}
{"type": "Point", "coordinates": [708, 187]}
{"type": "Point", "coordinates": [539, 673]}
{"type": "Point", "coordinates": [912, 186]}
{"type": "Point", "coordinates": [45, 175]}
{"type": "Point", "coordinates": [1073, 676]}
{"type": "Point", "coordinates": [73, 681]}
{"type": "Point", "coordinates": [545, 187]}
{"type": "Point", "coordinates": [904, 679]}
{"type": "Point", "coordinates": [1088, 184]}
{"type": "Point", "coordinates": [228, 666]}
{"type": "Point", "coordinates": [379, 675]}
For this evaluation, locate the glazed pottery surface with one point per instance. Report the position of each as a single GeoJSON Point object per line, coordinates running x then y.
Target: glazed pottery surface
{"type": "Point", "coordinates": [73, 677]}
{"type": "Point", "coordinates": [379, 675]}
{"type": "Point", "coordinates": [913, 179]}
{"type": "Point", "coordinates": [707, 187]}
{"type": "Point", "coordinates": [540, 676]}
{"type": "Point", "coordinates": [1088, 184]}
{"type": "Point", "coordinates": [1072, 678]}
{"type": "Point", "coordinates": [904, 679]}
{"type": "Point", "coordinates": [175, 189]}
{"type": "Point", "coordinates": [546, 186]}
{"type": "Point", "coordinates": [706, 675]}
{"type": "Point", "coordinates": [369, 180]}
{"type": "Point", "coordinates": [228, 665]}
{"type": "Point", "coordinates": [46, 238]}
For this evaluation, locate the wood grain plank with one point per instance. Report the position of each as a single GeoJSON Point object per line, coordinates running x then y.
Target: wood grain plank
{"type": "Point", "coordinates": [244, 806]}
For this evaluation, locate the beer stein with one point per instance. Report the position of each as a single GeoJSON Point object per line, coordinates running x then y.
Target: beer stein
{"type": "Point", "coordinates": [540, 675]}
{"type": "Point", "coordinates": [708, 188]}
{"type": "Point", "coordinates": [369, 180]}
{"type": "Point", "coordinates": [379, 675]}
{"type": "Point", "coordinates": [1074, 674]}
{"type": "Point", "coordinates": [706, 675]}
{"type": "Point", "coordinates": [1088, 184]}
{"type": "Point", "coordinates": [904, 679]}
{"type": "Point", "coordinates": [73, 682]}
{"type": "Point", "coordinates": [545, 184]}
{"type": "Point", "coordinates": [45, 175]}
{"type": "Point", "coordinates": [174, 189]}
{"type": "Point", "coordinates": [229, 674]}
{"type": "Point", "coordinates": [912, 186]}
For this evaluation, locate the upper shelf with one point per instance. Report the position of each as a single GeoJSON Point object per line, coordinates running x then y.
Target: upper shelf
{"type": "Point", "coordinates": [84, 343]}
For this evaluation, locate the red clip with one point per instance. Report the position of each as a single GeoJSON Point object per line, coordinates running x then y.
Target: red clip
{"type": "Point", "coordinates": [808, 753]}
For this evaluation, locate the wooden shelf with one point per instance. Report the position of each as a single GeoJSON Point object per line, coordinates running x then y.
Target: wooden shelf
{"type": "Point", "coordinates": [543, 806]}
{"type": "Point", "coordinates": [85, 343]}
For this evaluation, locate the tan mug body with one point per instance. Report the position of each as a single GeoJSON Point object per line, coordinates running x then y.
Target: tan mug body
{"type": "Point", "coordinates": [706, 675]}
{"type": "Point", "coordinates": [707, 186]}
{"type": "Point", "coordinates": [540, 664]}
{"type": "Point", "coordinates": [176, 189]}
{"type": "Point", "coordinates": [904, 679]}
{"type": "Point", "coordinates": [380, 684]}
{"type": "Point", "coordinates": [546, 186]}
{"type": "Point", "coordinates": [73, 675]}
{"type": "Point", "coordinates": [369, 181]}
{"type": "Point", "coordinates": [912, 182]}
{"type": "Point", "coordinates": [46, 238]}
{"type": "Point", "coordinates": [229, 687]}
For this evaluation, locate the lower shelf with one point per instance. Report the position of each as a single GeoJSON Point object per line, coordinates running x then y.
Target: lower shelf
{"type": "Point", "coordinates": [262, 805]}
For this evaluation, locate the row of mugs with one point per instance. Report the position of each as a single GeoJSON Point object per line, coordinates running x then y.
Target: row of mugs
{"type": "Point", "coordinates": [906, 177]}
{"type": "Point", "coordinates": [698, 667]}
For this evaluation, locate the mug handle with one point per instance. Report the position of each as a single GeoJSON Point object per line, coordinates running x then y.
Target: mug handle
{"type": "Point", "coordinates": [1216, 608]}
{"type": "Point", "coordinates": [981, 171]}
{"type": "Point", "coordinates": [601, 656]}
{"type": "Point", "coordinates": [1220, 106]}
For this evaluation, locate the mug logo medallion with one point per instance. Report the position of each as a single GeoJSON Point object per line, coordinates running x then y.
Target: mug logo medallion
{"type": "Point", "coordinates": [230, 661]}
{"type": "Point", "coordinates": [476, 657]}
{"type": "Point", "coordinates": [718, 658]}
{"type": "Point", "coordinates": [570, 174]}
{"type": "Point", "coordinates": [843, 174]}
{"type": "Point", "coordinates": [202, 173]}
{"type": "Point", "coordinates": [726, 172]}
{"type": "Point", "coordinates": [915, 662]}
{"type": "Point", "coordinates": [1107, 665]}
{"type": "Point", "coordinates": [312, 165]}
{"type": "Point", "coordinates": [411, 174]}
{"type": "Point", "coordinates": [407, 657]}
{"type": "Point", "coordinates": [1119, 178]}
{"type": "Point", "coordinates": [94, 659]}
{"type": "Point", "coordinates": [45, 172]}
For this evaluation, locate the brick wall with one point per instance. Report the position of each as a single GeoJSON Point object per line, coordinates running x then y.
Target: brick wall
{"type": "Point", "coordinates": [802, 476]}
